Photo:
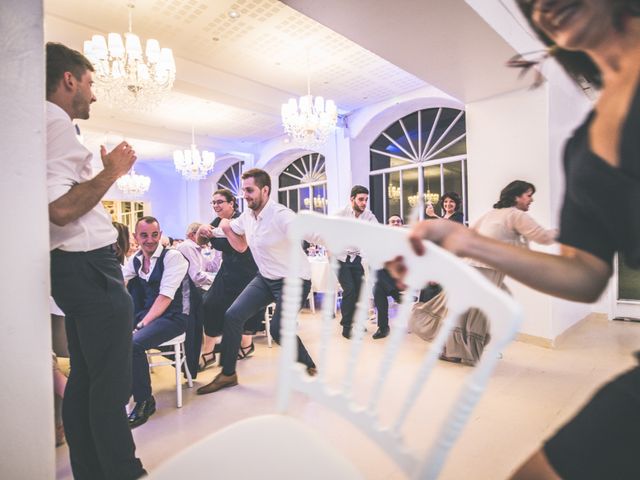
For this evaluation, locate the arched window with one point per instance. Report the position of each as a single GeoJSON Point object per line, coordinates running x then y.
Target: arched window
{"type": "Point", "coordinates": [422, 155]}
{"type": "Point", "coordinates": [231, 180]}
{"type": "Point", "coordinates": [303, 184]}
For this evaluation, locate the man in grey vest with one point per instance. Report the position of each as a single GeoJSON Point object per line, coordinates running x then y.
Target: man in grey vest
{"type": "Point", "coordinates": [160, 288]}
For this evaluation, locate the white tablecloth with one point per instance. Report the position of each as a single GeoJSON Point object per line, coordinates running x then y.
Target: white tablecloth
{"type": "Point", "coordinates": [320, 273]}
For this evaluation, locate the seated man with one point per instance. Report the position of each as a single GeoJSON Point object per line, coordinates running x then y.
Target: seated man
{"type": "Point", "coordinates": [201, 269]}
{"type": "Point", "coordinates": [384, 287]}
{"type": "Point", "coordinates": [158, 283]}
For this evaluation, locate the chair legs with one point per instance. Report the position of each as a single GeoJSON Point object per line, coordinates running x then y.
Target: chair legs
{"type": "Point", "coordinates": [179, 362]}
{"type": "Point", "coordinates": [268, 312]}
{"type": "Point", "coordinates": [312, 302]}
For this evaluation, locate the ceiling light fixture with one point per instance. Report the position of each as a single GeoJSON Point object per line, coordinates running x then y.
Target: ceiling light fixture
{"type": "Point", "coordinates": [133, 185]}
{"type": "Point", "coordinates": [309, 121]}
{"type": "Point", "coordinates": [124, 76]}
{"type": "Point", "coordinates": [192, 164]}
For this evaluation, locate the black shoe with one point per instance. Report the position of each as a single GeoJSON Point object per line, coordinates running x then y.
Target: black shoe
{"type": "Point", "coordinates": [346, 332]}
{"type": "Point", "coordinates": [142, 411]}
{"type": "Point", "coordinates": [207, 359]}
{"type": "Point", "coordinates": [381, 333]}
{"type": "Point", "coordinates": [245, 352]}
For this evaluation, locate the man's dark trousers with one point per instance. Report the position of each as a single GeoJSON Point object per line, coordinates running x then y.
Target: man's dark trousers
{"type": "Point", "coordinates": [89, 288]}
{"type": "Point", "coordinates": [350, 277]}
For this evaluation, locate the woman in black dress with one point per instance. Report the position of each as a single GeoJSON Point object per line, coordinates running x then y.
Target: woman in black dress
{"type": "Point", "coordinates": [597, 41]}
{"type": "Point", "coordinates": [235, 273]}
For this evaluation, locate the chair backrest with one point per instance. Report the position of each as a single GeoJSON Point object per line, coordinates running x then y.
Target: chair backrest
{"type": "Point", "coordinates": [465, 288]}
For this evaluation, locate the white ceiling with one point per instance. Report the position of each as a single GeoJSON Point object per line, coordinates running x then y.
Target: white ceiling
{"type": "Point", "coordinates": [233, 74]}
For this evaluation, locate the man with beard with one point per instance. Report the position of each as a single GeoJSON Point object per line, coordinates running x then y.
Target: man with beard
{"type": "Point", "coordinates": [263, 228]}
{"type": "Point", "coordinates": [86, 280]}
{"type": "Point", "coordinates": [351, 271]}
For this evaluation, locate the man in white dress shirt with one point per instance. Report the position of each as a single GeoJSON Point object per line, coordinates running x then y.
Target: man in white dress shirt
{"type": "Point", "coordinates": [263, 228]}
{"type": "Point", "coordinates": [351, 271]}
{"type": "Point", "coordinates": [201, 269]}
{"type": "Point", "coordinates": [86, 280]}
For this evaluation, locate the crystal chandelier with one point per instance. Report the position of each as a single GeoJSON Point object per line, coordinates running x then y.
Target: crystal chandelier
{"type": "Point", "coordinates": [393, 192]}
{"type": "Point", "coordinates": [123, 76]}
{"type": "Point", "coordinates": [319, 202]}
{"type": "Point", "coordinates": [309, 121]}
{"type": "Point", "coordinates": [133, 184]}
{"type": "Point", "coordinates": [428, 197]}
{"type": "Point", "coordinates": [192, 164]}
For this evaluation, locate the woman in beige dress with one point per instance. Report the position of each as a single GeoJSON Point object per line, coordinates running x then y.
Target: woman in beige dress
{"type": "Point", "coordinates": [509, 223]}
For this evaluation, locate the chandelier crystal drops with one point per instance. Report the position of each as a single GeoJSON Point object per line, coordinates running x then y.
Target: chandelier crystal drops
{"type": "Point", "coordinates": [309, 121]}
{"type": "Point", "coordinates": [191, 163]}
{"type": "Point", "coordinates": [133, 184]}
{"type": "Point", "coordinates": [125, 77]}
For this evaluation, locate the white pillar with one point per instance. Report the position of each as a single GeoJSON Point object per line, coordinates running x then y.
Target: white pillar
{"type": "Point", "coordinates": [26, 398]}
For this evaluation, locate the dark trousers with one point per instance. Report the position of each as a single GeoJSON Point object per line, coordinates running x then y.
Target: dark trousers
{"type": "Point", "coordinates": [258, 294]}
{"type": "Point", "coordinates": [160, 330]}
{"type": "Point", "coordinates": [350, 277]}
{"type": "Point", "coordinates": [216, 303]}
{"type": "Point", "coordinates": [384, 287]}
{"type": "Point", "coordinates": [89, 288]}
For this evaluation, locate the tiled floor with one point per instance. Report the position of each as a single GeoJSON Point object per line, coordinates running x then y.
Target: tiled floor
{"type": "Point", "coordinates": [533, 390]}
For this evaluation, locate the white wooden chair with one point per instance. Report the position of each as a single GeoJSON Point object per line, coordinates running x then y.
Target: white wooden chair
{"type": "Point", "coordinates": [179, 361]}
{"type": "Point", "coordinates": [294, 449]}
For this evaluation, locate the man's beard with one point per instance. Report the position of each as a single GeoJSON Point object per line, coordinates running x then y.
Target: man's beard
{"type": "Point", "coordinates": [255, 204]}
{"type": "Point", "coordinates": [80, 106]}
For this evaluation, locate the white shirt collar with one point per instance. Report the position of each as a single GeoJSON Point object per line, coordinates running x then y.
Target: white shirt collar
{"type": "Point", "coordinates": [155, 255]}
{"type": "Point", "coordinates": [57, 111]}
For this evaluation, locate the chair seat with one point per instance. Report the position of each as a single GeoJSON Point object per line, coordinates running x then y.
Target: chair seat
{"type": "Point", "coordinates": [280, 447]}
{"type": "Point", "coordinates": [179, 339]}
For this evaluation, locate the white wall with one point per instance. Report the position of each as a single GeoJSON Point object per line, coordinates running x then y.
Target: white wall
{"type": "Point", "coordinates": [26, 399]}
{"type": "Point", "coordinates": [521, 136]}
{"type": "Point", "coordinates": [507, 139]}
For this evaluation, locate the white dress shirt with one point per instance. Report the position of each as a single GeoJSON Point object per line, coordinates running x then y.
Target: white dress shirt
{"type": "Point", "coordinates": [175, 268]}
{"type": "Point", "coordinates": [198, 266]}
{"type": "Point", "coordinates": [267, 237]}
{"type": "Point", "coordinates": [366, 216]}
{"type": "Point", "coordinates": [69, 163]}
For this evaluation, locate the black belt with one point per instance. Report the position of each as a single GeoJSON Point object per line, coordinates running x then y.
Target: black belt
{"type": "Point", "coordinates": [107, 249]}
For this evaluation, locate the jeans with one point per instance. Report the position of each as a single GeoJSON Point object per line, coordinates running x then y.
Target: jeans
{"type": "Point", "coordinates": [258, 294]}
{"type": "Point", "coordinates": [160, 330]}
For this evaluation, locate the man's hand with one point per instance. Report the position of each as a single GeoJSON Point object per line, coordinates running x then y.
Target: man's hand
{"type": "Point", "coordinates": [82, 197]}
{"type": "Point", "coordinates": [204, 231]}
{"type": "Point", "coordinates": [119, 161]}
{"type": "Point", "coordinates": [397, 269]}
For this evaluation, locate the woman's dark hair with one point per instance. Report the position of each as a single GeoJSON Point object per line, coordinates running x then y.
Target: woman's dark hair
{"type": "Point", "coordinates": [578, 64]}
{"type": "Point", "coordinates": [228, 194]}
{"type": "Point", "coordinates": [122, 242]}
{"type": "Point", "coordinates": [509, 193]}
{"type": "Point", "coordinates": [453, 196]}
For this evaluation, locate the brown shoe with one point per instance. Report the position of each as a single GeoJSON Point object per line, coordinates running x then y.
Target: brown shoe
{"type": "Point", "coordinates": [312, 371]}
{"type": "Point", "coordinates": [221, 381]}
